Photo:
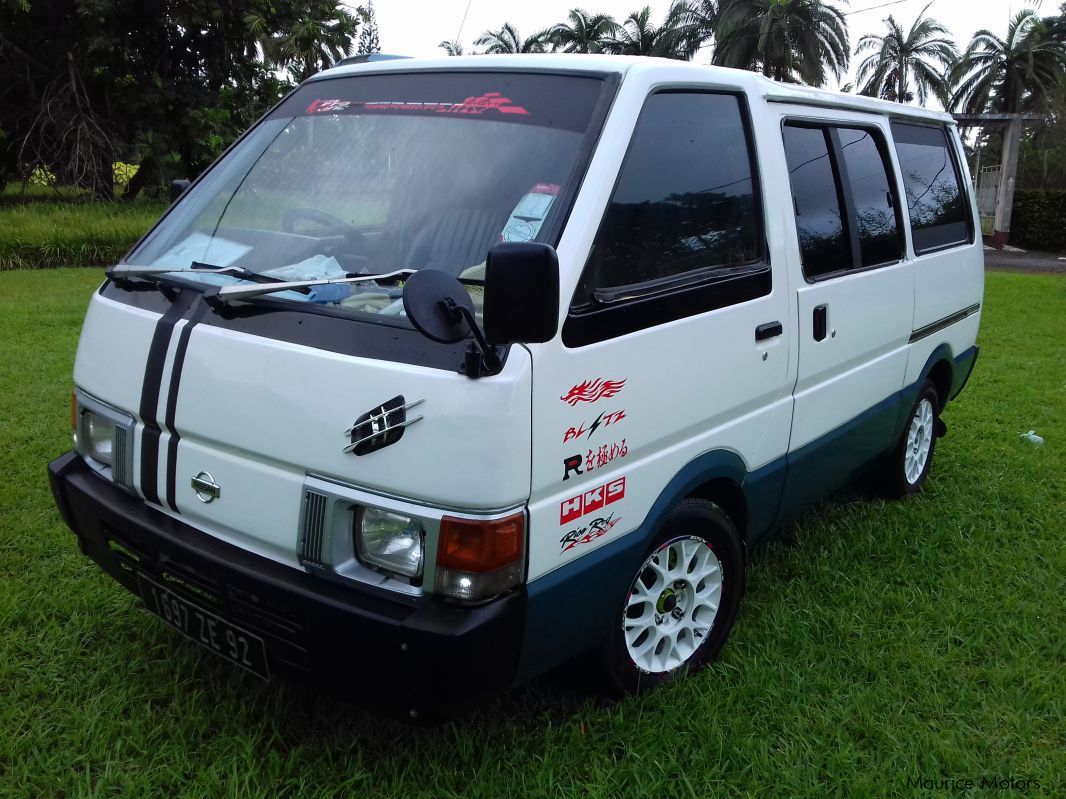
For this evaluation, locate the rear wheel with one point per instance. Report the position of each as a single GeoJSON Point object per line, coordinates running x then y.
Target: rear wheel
{"type": "Point", "coordinates": [682, 601]}
{"type": "Point", "coordinates": [908, 467]}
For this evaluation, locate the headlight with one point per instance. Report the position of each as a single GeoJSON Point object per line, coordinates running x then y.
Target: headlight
{"type": "Point", "coordinates": [99, 437]}
{"type": "Point", "coordinates": [390, 541]}
{"type": "Point", "coordinates": [104, 437]}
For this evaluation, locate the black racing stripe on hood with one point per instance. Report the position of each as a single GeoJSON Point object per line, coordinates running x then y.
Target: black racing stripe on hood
{"type": "Point", "coordinates": [150, 388]}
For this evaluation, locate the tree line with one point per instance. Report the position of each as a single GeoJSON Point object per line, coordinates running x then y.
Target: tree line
{"type": "Point", "coordinates": [86, 84]}
{"type": "Point", "coordinates": [167, 85]}
{"type": "Point", "coordinates": [807, 41]}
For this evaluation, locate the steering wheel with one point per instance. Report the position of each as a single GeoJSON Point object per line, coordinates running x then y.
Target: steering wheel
{"type": "Point", "coordinates": [332, 226]}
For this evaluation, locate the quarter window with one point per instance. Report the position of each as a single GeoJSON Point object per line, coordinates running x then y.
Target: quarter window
{"type": "Point", "coordinates": [938, 213]}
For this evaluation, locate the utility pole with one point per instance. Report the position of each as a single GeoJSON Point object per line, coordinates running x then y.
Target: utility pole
{"type": "Point", "coordinates": [1012, 125]}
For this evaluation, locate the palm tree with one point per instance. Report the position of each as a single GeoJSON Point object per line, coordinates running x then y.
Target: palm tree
{"type": "Point", "coordinates": [921, 57]}
{"type": "Point", "coordinates": [321, 35]}
{"type": "Point", "coordinates": [1007, 75]}
{"type": "Point", "coordinates": [800, 41]}
{"type": "Point", "coordinates": [507, 40]}
{"type": "Point", "coordinates": [584, 33]}
{"type": "Point", "coordinates": [451, 48]}
{"type": "Point", "coordinates": [638, 36]}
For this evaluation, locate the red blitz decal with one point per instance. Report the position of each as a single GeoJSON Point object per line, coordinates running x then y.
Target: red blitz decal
{"type": "Point", "coordinates": [592, 390]}
{"type": "Point", "coordinates": [592, 500]}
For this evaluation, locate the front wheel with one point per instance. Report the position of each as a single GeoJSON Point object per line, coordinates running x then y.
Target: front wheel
{"type": "Point", "coordinates": [682, 601]}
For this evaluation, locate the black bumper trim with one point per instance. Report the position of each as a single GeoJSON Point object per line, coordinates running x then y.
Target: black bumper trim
{"type": "Point", "coordinates": [394, 654]}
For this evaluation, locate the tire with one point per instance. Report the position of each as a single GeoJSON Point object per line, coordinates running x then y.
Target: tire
{"type": "Point", "coordinates": [909, 464]}
{"type": "Point", "coordinates": [683, 622]}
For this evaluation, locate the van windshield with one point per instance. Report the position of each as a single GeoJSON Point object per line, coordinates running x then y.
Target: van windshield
{"type": "Point", "coordinates": [371, 174]}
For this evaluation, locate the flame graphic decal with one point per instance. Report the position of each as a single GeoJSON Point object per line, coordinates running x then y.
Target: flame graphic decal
{"type": "Point", "coordinates": [592, 390]}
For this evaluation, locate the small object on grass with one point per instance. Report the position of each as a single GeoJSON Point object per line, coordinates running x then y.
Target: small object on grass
{"type": "Point", "coordinates": [1032, 436]}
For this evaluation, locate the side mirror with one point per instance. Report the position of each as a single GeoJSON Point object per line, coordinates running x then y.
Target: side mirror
{"type": "Point", "coordinates": [521, 293]}
{"type": "Point", "coordinates": [438, 306]}
{"type": "Point", "coordinates": [177, 188]}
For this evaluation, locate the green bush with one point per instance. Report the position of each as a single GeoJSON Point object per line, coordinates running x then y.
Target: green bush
{"type": "Point", "coordinates": [1037, 220]}
{"type": "Point", "coordinates": [43, 234]}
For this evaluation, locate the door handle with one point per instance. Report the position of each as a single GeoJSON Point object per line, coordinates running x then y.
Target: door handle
{"type": "Point", "coordinates": [768, 330]}
{"type": "Point", "coordinates": [821, 314]}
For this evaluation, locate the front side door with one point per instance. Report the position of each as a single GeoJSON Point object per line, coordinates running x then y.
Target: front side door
{"type": "Point", "coordinates": [677, 340]}
{"type": "Point", "coordinates": [854, 301]}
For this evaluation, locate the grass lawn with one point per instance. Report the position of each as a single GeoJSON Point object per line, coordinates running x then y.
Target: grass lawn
{"type": "Point", "coordinates": [878, 642]}
{"type": "Point", "coordinates": [47, 230]}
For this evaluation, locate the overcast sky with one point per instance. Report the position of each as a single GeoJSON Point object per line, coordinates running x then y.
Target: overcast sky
{"type": "Point", "coordinates": [416, 27]}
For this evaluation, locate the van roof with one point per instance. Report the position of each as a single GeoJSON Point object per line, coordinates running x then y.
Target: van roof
{"type": "Point", "coordinates": [755, 83]}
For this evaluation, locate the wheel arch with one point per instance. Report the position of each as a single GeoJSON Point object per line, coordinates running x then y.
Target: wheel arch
{"type": "Point", "coordinates": [565, 616]}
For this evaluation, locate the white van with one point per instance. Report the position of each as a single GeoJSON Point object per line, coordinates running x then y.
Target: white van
{"type": "Point", "coordinates": [448, 371]}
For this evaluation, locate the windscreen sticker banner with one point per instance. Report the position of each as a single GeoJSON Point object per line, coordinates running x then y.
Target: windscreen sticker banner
{"type": "Point", "coordinates": [593, 391]}
{"type": "Point", "coordinates": [597, 528]}
{"type": "Point", "coordinates": [481, 104]}
{"type": "Point", "coordinates": [560, 102]}
{"type": "Point", "coordinates": [592, 500]}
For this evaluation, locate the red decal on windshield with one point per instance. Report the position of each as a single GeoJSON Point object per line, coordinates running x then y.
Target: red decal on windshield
{"type": "Point", "coordinates": [490, 101]}
{"type": "Point", "coordinates": [327, 106]}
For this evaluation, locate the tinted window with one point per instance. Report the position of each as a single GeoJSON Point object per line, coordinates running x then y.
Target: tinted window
{"type": "Point", "coordinates": [871, 194]}
{"type": "Point", "coordinates": [938, 212]}
{"type": "Point", "coordinates": [684, 200]}
{"type": "Point", "coordinates": [824, 244]}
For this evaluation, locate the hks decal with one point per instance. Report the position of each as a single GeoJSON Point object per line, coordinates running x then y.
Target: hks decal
{"type": "Point", "coordinates": [605, 419]}
{"type": "Point", "coordinates": [490, 101]}
{"type": "Point", "coordinates": [592, 500]}
{"type": "Point", "coordinates": [594, 459]}
{"type": "Point", "coordinates": [593, 390]}
{"type": "Point", "coordinates": [589, 533]}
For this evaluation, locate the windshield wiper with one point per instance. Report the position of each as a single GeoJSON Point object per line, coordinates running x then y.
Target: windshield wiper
{"type": "Point", "coordinates": [131, 270]}
{"type": "Point", "coordinates": [226, 294]}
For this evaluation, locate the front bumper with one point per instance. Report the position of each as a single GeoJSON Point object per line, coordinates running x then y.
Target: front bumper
{"type": "Point", "coordinates": [413, 657]}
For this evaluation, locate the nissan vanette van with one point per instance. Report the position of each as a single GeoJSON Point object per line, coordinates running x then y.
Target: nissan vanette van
{"type": "Point", "coordinates": [448, 371]}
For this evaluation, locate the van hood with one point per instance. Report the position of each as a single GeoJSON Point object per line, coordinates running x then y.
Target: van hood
{"type": "Point", "coordinates": [256, 406]}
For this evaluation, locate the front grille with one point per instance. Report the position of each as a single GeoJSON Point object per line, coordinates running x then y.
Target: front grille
{"type": "Point", "coordinates": [313, 528]}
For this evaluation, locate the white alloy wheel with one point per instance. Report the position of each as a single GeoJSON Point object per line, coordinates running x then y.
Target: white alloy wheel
{"type": "Point", "coordinates": [672, 604]}
{"type": "Point", "coordinates": [919, 441]}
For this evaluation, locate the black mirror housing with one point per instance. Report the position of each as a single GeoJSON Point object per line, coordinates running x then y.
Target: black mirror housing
{"type": "Point", "coordinates": [177, 188]}
{"type": "Point", "coordinates": [521, 293]}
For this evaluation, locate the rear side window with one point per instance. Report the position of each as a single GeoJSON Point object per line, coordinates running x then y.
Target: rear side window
{"type": "Point", "coordinates": [685, 200]}
{"type": "Point", "coordinates": [845, 204]}
{"type": "Point", "coordinates": [938, 211]}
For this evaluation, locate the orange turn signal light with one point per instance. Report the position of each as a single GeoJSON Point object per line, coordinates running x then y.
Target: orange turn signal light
{"type": "Point", "coordinates": [481, 545]}
{"type": "Point", "coordinates": [73, 411]}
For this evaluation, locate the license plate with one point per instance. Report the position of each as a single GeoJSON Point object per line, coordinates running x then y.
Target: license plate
{"type": "Point", "coordinates": [238, 646]}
